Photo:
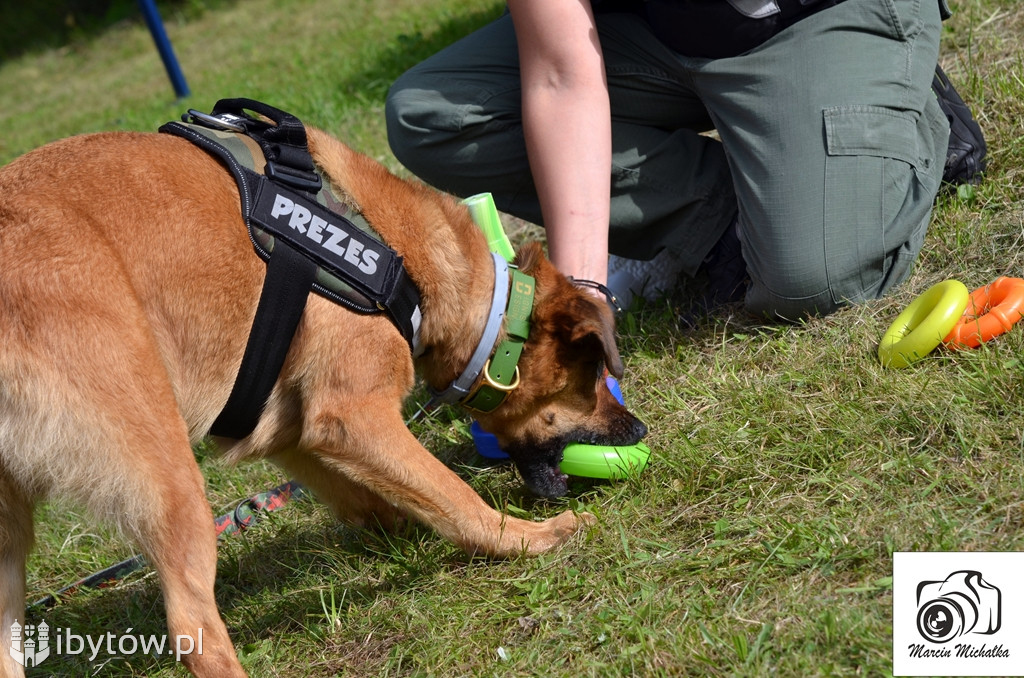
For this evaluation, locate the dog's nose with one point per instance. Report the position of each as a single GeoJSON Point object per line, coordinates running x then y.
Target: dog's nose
{"type": "Point", "coordinates": [639, 429]}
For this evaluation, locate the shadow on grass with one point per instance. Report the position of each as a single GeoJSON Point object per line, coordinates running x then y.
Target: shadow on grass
{"type": "Point", "coordinates": [409, 49]}
{"type": "Point", "coordinates": [31, 27]}
{"type": "Point", "coordinates": [270, 582]}
{"type": "Point", "coordinates": [293, 558]}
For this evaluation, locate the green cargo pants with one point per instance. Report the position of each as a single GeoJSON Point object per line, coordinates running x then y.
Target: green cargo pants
{"type": "Point", "coordinates": [829, 149]}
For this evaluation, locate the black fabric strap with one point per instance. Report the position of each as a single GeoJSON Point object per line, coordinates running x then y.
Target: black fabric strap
{"type": "Point", "coordinates": [282, 301]}
{"type": "Point", "coordinates": [714, 29]}
{"type": "Point", "coordinates": [403, 307]}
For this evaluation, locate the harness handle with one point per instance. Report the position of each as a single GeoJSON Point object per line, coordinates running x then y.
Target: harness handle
{"type": "Point", "coordinates": [284, 143]}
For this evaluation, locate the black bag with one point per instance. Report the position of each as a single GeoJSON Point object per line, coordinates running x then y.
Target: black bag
{"type": "Point", "coordinates": [715, 29]}
{"type": "Point", "coordinates": [965, 158]}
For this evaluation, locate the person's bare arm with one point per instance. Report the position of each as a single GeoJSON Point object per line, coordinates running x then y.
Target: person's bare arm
{"type": "Point", "coordinates": [567, 124]}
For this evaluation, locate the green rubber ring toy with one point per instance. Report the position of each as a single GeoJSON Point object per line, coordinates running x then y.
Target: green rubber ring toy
{"type": "Point", "coordinates": [923, 324]}
{"type": "Point", "coordinates": [605, 462]}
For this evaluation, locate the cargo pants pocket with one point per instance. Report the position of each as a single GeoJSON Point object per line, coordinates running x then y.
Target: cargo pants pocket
{"type": "Point", "coordinates": [872, 158]}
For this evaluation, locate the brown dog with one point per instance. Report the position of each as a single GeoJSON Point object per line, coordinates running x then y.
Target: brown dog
{"type": "Point", "coordinates": [128, 286]}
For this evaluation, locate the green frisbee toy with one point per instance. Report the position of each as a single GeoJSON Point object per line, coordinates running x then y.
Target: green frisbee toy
{"type": "Point", "coordinates": [600, 461]}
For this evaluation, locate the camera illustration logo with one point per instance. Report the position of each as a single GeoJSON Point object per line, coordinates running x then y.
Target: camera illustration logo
{"type": "Point", "coordinates": [962, 603]}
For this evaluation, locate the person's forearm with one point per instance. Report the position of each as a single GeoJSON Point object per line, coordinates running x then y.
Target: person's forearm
{"type": "Point", "coordinates": [571, 167]}
{"type": "Point", "coordinates": [567, 125]}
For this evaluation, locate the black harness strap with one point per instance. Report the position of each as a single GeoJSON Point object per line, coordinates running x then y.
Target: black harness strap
{"type": "Point", "coordinates": [289, 277]}
{"type": "Point", "coordinates": [282, 301]}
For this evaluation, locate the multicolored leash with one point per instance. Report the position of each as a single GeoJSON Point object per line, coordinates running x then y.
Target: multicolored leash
{"type": "Point", "coordinates": [247, 512]}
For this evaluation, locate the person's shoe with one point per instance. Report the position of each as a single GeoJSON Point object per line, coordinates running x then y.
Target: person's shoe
{"type": "Point", "coordinates": [726, 270]}
{"type": "Point", "coordinates": [631, 278]}
{"type": "Point", "coordinates": [727, 277]}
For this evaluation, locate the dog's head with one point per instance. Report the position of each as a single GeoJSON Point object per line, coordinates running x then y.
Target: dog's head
{"type": "Point", "coordinates": [562, 396]}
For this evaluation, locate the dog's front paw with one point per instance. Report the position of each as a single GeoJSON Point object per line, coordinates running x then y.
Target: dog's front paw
{"type": "Point", "coordinates": [554, 532]}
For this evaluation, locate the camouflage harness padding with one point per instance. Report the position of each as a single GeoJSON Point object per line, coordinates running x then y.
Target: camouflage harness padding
{"type": "Point", "coordinates": [309, 236]}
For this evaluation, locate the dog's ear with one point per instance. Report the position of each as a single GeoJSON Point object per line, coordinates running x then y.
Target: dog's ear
{"type": "Point", "coordinates": [581, 321]}
{"type": "Point", "coordinates": [530, 257]}
{"type": "Point", "coordinates": [593, 332]}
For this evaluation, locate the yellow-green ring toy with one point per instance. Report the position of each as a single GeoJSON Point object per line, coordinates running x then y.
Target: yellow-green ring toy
{"type": "Point", "coordinates": [601, 461]}
{"type": "Point", "coordinates": [923, 324]}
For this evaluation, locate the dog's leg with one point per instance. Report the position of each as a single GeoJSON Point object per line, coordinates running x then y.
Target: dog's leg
{"type": "Point", "coordinates": [375, 449]}
{"type": "Point", "coordinates": [178, 539]}
{"type": "Point", "coordinates": [15, 543]}
{"type": "Point", "coordinates": [348, 501]}
{"type": "Point", "coordinates": [152, 487]}
{"type": "Point", "coordinates": [97, 421]}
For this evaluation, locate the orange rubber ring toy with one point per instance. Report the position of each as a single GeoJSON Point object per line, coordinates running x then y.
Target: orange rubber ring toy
{"type": "Point", "coordinates": [992, 310]}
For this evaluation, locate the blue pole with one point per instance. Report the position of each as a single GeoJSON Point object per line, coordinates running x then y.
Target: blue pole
{"type": "Point", "coordinates": [163, 45]}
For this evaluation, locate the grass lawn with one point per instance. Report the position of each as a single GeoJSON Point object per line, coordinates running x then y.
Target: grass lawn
{"type": "Point", "coordinates": [788, 464]}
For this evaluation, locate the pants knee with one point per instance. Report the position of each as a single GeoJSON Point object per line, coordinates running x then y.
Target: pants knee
{"type": "Point", "coordinates": [792, 285]}
{"type": "Point", "coordinates": [792, 294]}
{"type": "Point", "coordinates": [790, 303]}
{"type": "Point", "coordinates": [442, 142]}
{"type": "Point", "coordinates": [406, 133]}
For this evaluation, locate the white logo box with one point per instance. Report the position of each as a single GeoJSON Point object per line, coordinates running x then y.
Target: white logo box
{"type": "Point", "coordinates": [958, 614]}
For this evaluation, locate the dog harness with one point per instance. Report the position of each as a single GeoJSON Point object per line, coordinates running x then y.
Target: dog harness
{"type": "Point", "coordinates": [310, 237]}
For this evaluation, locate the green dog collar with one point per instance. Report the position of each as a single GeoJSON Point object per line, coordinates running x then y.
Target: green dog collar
{"type": "Point", "coordinates": [500, 375]}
